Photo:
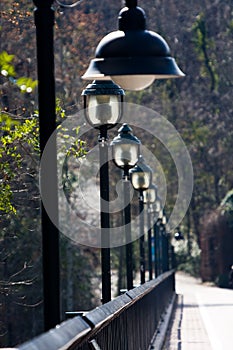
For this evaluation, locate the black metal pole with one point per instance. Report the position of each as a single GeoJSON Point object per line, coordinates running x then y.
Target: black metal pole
{"type": "Point", "coordinates": [127, 223]}
{"type": "Point", "coordinates": [104, 216]}
{"type": "Point", "coordinates": [155, 248]}
{"type": "Point", "coordinates": [44, 21]}
{"type": "Point", "coordinates": [159, 256]}
{"type": "Point", "coordinates": [149, 243]}
{"type": "Point", "coordinates": [161, 250]}
{"type": "Point", "coordinates": [164, 248]}
{"type": "Point", "coordinates": [168, 251]}
{"type": "Point", "coordinates": [142, 238]}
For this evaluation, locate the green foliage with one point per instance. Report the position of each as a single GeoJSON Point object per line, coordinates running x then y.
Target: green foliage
{"type": "Point", "coordinates": [71, 145]}
{"type": "Point", "coordinates": [60, 112]}
{"type": "Point", "coordinates": [6, 198]}
{"type": "Point", "coordinates": [17, 139]}
{"type": "Point", "coordinates": [189, 263]}
{"type": "Point", "coordinates": [7, 121]}
{"type": "Point", "coordinates": [26, 84]}
{"type": "Point", "coordinates": [7, 69]}
{"type": "Point", "coordinates": [227, 207]}
{"type": "Point", "coordinates": [21, 139]}
{"type": "Point", "coordinates": [18, 136]}
{"type": "Point", "coordinates": [6, 66]}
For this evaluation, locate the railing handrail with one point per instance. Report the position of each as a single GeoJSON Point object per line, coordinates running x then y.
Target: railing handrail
{"type": "Point", "coordinates": [74, 331]}
{"type": "Point", "coordinates": [128, 299]}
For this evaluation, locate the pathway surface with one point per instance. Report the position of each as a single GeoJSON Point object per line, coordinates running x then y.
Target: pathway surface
{"type": "Point", "coordinates": [202, 319]}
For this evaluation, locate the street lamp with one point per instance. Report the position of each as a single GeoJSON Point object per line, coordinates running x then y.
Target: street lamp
{"type": "Point", "coordinates": [150, 196]}
{"type": "Point", "coordinates": [141, 176]}
{"type": "Point", "coordinates": [132, 56]}
{"type": "Point", "coordinates": [103, 110]}
{"type": "Point", "coordinates": [125, 153]}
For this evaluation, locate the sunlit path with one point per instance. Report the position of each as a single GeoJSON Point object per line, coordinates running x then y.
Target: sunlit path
{"type": "Point", "coordinates": [203, 318]}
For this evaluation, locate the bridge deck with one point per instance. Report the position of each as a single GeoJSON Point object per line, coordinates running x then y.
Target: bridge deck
{"type": "Point", "coordinates": [202, 319]}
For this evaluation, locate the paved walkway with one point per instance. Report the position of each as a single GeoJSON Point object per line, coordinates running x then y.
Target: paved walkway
{"type": "Point", "coordinates": [187, 330]}
{"type": "Point", "coordinates": [202, 318]}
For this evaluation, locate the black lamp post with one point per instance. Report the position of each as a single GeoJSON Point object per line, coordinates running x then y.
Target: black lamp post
{"type": "Point", "coordinates": [162, 241]}
{"type": "Point", "coordinates": [141, 176]}
{"type": "Point", "coordinates": [103, 110]}
{"type": "Point", "coordinates": [157, 221]}
{"type": "Point", "coordinates": [44, 21]}
{"type": "Point", "coordinates": [125, 152]}
{"type": "Point", "coordinates": [165, 244]}
{"type": "Point", "coordinates": [149, 198]}
{"type": "Point", "coordinates": [132, 56]}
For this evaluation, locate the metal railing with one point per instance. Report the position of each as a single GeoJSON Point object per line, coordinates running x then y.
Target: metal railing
{"type": "Point", "coordinates": [128, 322]}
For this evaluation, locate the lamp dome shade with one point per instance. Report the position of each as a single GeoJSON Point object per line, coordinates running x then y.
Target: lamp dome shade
{"type": "Point", "coordinates": [132, 56]}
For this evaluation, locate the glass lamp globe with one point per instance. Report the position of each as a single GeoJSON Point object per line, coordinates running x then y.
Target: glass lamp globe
{"type": "Point", "coordinates": [158, 205]}
{"type": "Point", "coordinates": [103, 104]}
{"type": "Point", "coordinates": [125, 148]}
{"type": "Point", "coordinates": [141, 175]}
{"type": "Point", "coordinates": [150, 194]}
{"type": "Point", "coordinates": [164, 219]}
